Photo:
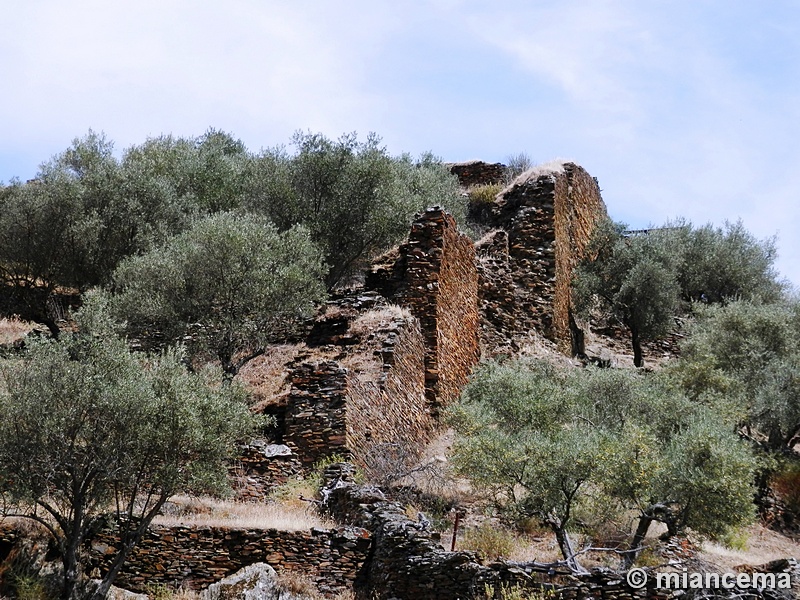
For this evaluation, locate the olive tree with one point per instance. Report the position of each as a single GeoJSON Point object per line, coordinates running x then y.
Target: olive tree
{"type": "Point", "coordinates": [515, 442]}
{"type": "Point", "coordinates": [547, 442]}
{"type": "Point", "coordinates": [646, 279]}
{"type": "Point", "coordinates": [721, 264]}
{"type": "Point", "coordinates": [355, 198]}
{"type": "Point", "coordinates": [89, 432]}
{"type": "Point", "coordinates": [632, 278]}
{"type": "Point", "coordinates": [69, 227]}
{"type": "Point", "coordinates": [750, 350]}
{"type": "Point", "coordinates": [228, 285]}
{"type": "Point", "coordinates": [62, 229]}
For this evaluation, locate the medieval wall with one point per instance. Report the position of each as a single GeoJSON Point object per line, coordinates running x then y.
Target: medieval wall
{"type": "Point", "coordinates": [258, 469]}
{"type": "Point", "coordinates": [372, 393]}
{"type": "Point", "coordinates": [541, 224]}
{"type": "Point", "coordinates": [406, 561]}
{"type": "Point", "coordinates": [386, 401]}
{"type": "Point", "coordinates": [477, 172]}
{"type": "Point", "coordinates": [578, 209]}
{"type": "Point", "coordinates": [195, 557]}
{"type": "Point", "coordinates": [315, 424]}
{"type": "Point", "coordinates": [434, 274]}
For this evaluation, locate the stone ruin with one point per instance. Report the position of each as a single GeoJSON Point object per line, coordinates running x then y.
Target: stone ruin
{"type": "Point", "coordinates": [374, 375]}
{"type": "Point", "coordinates": [377, 367]}
{"type": "Point", "coordinates": [380, 363]}
{"type": "Point", "coordinates": [539, 228]}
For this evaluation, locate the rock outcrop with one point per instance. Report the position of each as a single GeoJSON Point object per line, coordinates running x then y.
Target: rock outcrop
{"type": "Point", "coordinates": [258, 581]}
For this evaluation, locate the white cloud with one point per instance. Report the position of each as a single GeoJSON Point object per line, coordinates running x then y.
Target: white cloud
{"type": "Point", "coordinates": [679, 109]}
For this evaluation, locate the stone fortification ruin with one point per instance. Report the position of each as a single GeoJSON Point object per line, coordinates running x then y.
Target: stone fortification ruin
{"type": "Point", "coordinates": [375, 370]}
{"type": "Point", "coordinates": [539, 228]}
{"type": "Point", "coordinates": [380, 362]}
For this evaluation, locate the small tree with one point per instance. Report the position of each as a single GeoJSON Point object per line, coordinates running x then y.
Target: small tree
{"type": "Point", "coordinates": [355, 198]}
{"type": "Point", "coordinates": [721, 264]}
{"type": "Point", "coordinates": [633, 278]}
{"type": "Point", "coordinates": [519, 438]}
{"type": "Point", "coordinates": [88, 432]}
{"type": "Point", "coordinates": [752, 351]}
{"type": "Point", "coordinates": [228, 284]}
{"type": "Point", "coordinates": [546, 441]}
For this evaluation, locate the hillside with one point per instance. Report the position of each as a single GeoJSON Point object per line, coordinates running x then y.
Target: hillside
{"type": "Point", "coordinates": [375, 375]}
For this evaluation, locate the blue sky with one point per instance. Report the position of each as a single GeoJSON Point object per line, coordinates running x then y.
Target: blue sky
{"type": "Point", "coordinates": [679, 108]}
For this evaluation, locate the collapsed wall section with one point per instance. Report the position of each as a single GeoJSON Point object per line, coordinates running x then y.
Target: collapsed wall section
{"type": "Point", "coordinates": [373, 394]}
{"type": "Point", "coordinates": [477, 172]}
{"type": "Point", "coordinates": [315, 425]}
{"type": "Point", "coordinates": [540, 225]}
{"type": "Point", "coordinates": [435, 276]}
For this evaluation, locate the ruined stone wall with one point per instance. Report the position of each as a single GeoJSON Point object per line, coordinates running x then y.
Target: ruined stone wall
{"type": "Point", "coordinates": [435, 276]}
{"type": "Point", "coordinates": [387, 405]}
{"type": "Point", "coordinates": [517, 264]}
{"type": "Point", "coordinates": [315, 425]}
{"type": "Point", "coordinates": [543, 222]}
{"type": "Point", "coordinates": [256, 471]}
{"type": "Point", "coordinates": [407, 562]}
{"type": "Point", "coordinates": [476, 172]}
{"type": "Point", "coordinates": [195, 557]}
{"type": "Point", "coordinates": [578, 209]}
{"type": "Point", "coordinates": [373, 393]}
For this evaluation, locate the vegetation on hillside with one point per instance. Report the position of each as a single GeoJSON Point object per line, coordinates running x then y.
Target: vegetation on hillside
{"type": "Point", "coordinates": [86, 210]}
{"type": "Point", "coordinates": [548, 443]}
{"type": "Point", "coordinates": [91, 434]}
{"type": "Point", "coordinates": [646, 280]}
{"type": "Point", "coordinates": [227, 285]}
{"type": "Point", "coordinates": [690, 445]}
{"type": "Point", "coordinates": [221, 251]}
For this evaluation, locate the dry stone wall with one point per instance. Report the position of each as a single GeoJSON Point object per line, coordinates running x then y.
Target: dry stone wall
{"type": "Point", "coordinates": [477, 172]}
{"type": "Point", "coordinates": [258, 469]}
{"type": "Point", "coordinates": [386, 406]}
{"type": "Point", "coordinates": [315, 425]}
{"type": "Point", "coordinates": [435, 276]}
{"type": "Point", "coordinates": [578, 209]}
{"type": "Point", "coordinates": [406, 561]}
{"type": "Point", "coordinates": [195, 557]}
{"type": "Point", "coordinates": [372, 393]}
{"type": "Point", "coordinates": [541, 224]}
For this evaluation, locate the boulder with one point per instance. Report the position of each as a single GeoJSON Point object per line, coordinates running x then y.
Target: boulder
{"type": "Point", "coordinates": [255, 582]}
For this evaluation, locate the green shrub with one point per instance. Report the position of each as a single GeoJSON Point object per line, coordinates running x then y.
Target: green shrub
{"type": "Point", "coordinates": [648, 558]}
{"type": "Point", "coordinates": [31, 587]}
{"type": "Point", "coordinates": [490, 541]}
{"type": "Point", "coordinates": [735, 539]}
{"type": "Point", "coordinates": [484, 193]}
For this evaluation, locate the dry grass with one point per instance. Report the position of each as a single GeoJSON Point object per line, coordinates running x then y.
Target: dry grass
{"type": "Point", "coordinates": [209, 512]}
{"type": "Point", "coordinates": [300, 584]}
{"type": "Point", "coordinates": [288, 495]}
{"type": "Point", "coordinates": [265, 375]}
{"type": "Point", "coordinates": [762, 546]}
{"type": "Point", "coordinates": [13, 329]}
{"type": "Point", "coordinates": [484, 193]}
{"type": "Point", "coordinates": [380, 318]}
{"type": "Point", "coordinates": [491, 541]}
{"type": "Point", "coordinates": [553, 167]}
{"type": "Point", "coordinates": [157, 592]}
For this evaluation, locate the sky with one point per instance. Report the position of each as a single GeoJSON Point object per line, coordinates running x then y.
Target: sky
{"type": "Point", "coordinates": [680, 108]}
